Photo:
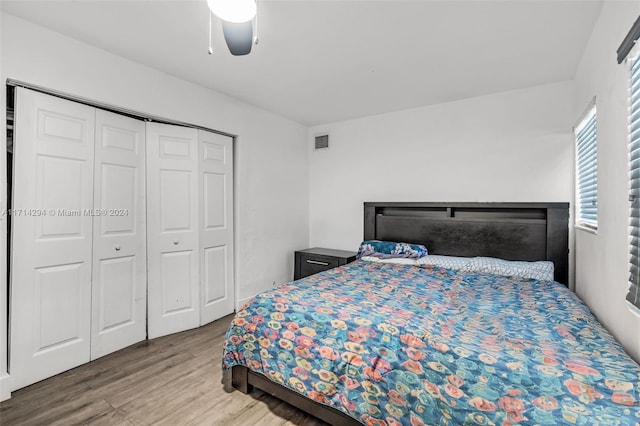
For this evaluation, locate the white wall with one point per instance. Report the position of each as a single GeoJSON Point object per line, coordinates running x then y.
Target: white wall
{"type": "Point", "coordinates": [512, 146]}
{"type": "Point", "coordinates": [602, 259]}
{"type": "Point", "coordinates": [271, 180]}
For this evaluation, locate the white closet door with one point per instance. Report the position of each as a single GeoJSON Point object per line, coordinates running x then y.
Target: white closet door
{"type": "Point", "coordinates": [51, 273]}
{"type": "Point", "coordinates": [119, 245]}
{"type": "Point", "coordinates": [216, 224]}
{"type": "Point", "coordinates": [172, 229]}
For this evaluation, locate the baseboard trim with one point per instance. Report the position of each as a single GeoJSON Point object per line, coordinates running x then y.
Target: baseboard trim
{"type": "Point", "coordinates": [5, 386]}
{"type": "Point", "coordinates": [241, 302]}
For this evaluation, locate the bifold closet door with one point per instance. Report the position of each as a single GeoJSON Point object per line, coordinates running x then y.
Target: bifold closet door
{"type": "Point", "coordinates": [51, 237]}
{"type": "Point", "coordinates": [119, 316]}
{"type": "Point", "coordinates": [172, 229]}
{"type": "Point", "coordinates": [216, 224]}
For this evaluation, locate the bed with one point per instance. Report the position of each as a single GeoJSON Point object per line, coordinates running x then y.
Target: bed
{"type": "Point", "coordinates": [388, 344]}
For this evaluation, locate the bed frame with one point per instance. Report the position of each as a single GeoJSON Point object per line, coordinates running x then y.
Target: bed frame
{"type": "Point", "coordinates": [512, 231]}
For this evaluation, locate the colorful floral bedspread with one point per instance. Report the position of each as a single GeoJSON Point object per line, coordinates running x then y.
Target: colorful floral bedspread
{"type": "Point", "coordinates": [397, 344]}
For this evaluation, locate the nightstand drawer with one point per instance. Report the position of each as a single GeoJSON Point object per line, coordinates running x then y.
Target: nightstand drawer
{"type": "Point", "coordinates": [312, 264]}
{"type": "Point", "coordinates": [312, 261]}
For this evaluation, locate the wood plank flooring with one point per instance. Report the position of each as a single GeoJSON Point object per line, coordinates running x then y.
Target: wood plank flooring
{"type": "Point", "coordinates": [173, 380]}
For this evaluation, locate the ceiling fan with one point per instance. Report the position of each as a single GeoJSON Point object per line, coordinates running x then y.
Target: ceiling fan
{"type": "Point", "coordinates": [237, 18]}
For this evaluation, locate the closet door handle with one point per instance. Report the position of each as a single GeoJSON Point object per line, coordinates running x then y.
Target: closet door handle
{"type": "Point", "coordinates": [315, 262]}
{"type": "Point", "coordinates": [176, 242]}
{"type": "Point", "coordinates": [118, 247]}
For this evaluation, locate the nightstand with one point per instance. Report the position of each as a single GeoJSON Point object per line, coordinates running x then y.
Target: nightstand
{"type": "Point", "coordinates": [317, 259]}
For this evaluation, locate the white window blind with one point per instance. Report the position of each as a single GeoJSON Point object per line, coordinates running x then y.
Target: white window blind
{"type": "Point", "coordinates": [633, 296]}
{"type": "Point", "coordinates": [587, 170]}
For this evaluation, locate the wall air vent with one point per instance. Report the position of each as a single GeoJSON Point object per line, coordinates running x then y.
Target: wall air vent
{"type": "Point", "coordinates": [322, 142]}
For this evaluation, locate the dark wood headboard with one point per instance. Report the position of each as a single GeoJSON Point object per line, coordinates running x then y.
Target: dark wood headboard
{"type": "Point", "coordinates": [512, 231]}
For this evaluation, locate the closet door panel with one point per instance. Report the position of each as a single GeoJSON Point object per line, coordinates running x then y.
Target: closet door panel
{"type": "Point", "coordinates": [172, 227]}
{"type": "Point", "coordinates": [120, 186]}
{"type": "Point", "coordinates": [119, 237]}
{"type": "Point", "coordinates": [216, 223]}
{"type": "Point", "coordinates": [176, 203]}
{"type": "Point", "coordinates": [59, 297]}
{"type": "Point", "coordinates": [116, 293]}
{"type": "Point", "coordinates": [51, 235]}
{"type": "Point", "coordinates": [177, 269]}
{"type": "Point", "coordinates": [215, 274]}
{"type": "Point", "coordinates": [60, 193]}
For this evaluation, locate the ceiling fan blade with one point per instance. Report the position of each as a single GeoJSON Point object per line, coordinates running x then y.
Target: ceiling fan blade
{"type": "Point", "coordinates": [239, 37]}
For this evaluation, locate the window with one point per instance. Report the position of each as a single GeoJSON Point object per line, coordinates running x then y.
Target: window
{"type": "Point", "coordinates": [633, 296]}
{"type": "Point", "coordinates": [630, 52]}
{"type": "Point", "coordinates": [587, 170]}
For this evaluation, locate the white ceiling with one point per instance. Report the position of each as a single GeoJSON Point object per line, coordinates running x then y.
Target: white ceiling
{"type": "Point", "coordinates": [324, 61]}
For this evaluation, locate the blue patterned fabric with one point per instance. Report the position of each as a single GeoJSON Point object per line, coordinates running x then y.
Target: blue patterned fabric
{"type": "Point", "coordinates": [390, 249]}
{"type": "Point", "coordinates": [393, 344]}
{"type": "Point", "coordinates": [451, 262]}
{"type": "Point", "coordinates": [541, 270]}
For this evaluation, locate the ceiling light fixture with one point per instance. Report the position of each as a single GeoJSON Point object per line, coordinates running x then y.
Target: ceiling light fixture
{"type": "Point", "coordinates": [237, 18]}
{"type": "Point", "coordinates": [236, 11]}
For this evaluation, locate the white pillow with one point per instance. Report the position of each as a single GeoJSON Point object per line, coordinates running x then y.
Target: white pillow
{"type": "Point", "coordinates": [450, 262]}
{"type": "Point", "coordinates": [540, 270]}
{"type": "Point", "coordinates": [396, 260]}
